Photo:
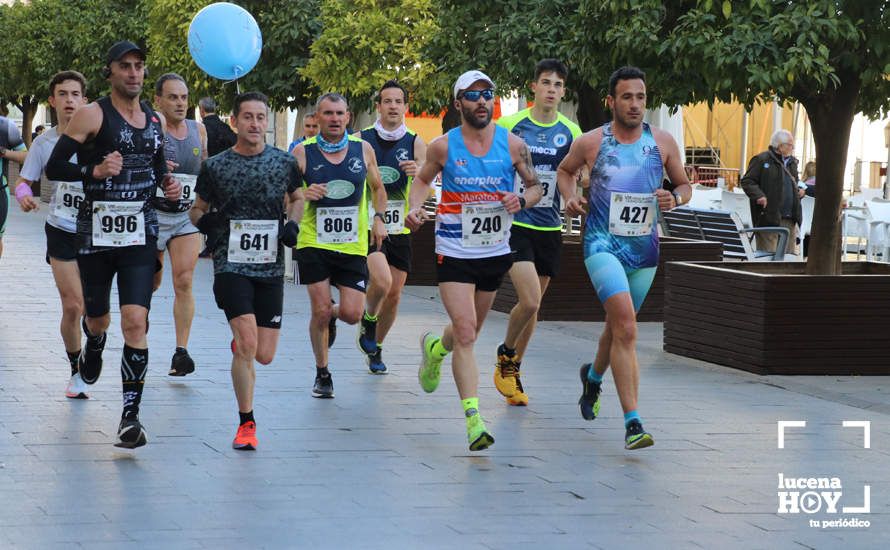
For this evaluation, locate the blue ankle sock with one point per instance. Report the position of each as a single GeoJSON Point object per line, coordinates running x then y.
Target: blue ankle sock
{"type": "Point", "coordinates": [631, 416]}
{"type": "Point", "coordinates": [593, 376]}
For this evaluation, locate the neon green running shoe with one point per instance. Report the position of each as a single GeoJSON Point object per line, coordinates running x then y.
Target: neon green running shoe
{"type": "Point", "coordinates": [478, 437]}
{"type": "Point", "coordinates": [430, 370]}
{"type": "Point", "coordinates": [636, 437]}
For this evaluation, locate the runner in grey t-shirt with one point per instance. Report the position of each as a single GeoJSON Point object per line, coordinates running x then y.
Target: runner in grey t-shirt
{"type": "Point", "coordinates": [185, 147]}
{"type": "Point", "coordinates": [11, 148]}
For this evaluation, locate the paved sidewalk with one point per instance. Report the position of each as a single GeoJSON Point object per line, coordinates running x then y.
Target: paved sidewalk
{"type": "Point", "coordinates": [386, 466]}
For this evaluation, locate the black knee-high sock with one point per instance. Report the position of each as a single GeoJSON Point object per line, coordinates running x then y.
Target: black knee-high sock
{"type": "Point", "coordinates": [72, 359]}
{"type": "Point", "coordinates": [94, 342]}
{"type": "Point", "coordinates": [134, 364]}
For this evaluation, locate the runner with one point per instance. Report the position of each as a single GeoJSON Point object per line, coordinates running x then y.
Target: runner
{"type": "Point", "coordinates": [399, 152]}
{"type": "Point", "coordinates": [247, 185]}
{"type": "Point", "coordinates": [310, 129]}
{"type": "Point", "coordinates": [185, 147]}
{"type": "Point", "coordinates": [536, 235]}
{"type": "Point", "coordinates": [334, 233]}
{"type": "Point", "coordinates": [627, 160]}
{"type": "Point", "coordinates": [66, 94]}
{"type": "Point", "coordinates": [121, 163]}
{"type": "Point", "coordinates": [11, 148]}
{"type": "Point", "coordinates": [479, 162]}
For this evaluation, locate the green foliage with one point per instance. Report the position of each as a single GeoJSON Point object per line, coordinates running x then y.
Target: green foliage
{"type": "Point", "coordinates": [364, 43]}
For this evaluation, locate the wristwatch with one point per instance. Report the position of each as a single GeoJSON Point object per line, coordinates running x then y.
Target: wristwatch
{"type": "Point", "coordinates": [379, 215]}
{"type": "Point", "coordinates": [522, 203]}
{"type": "Point", "coordinates": [677, 197]}
{"type": "Point", "coordinates": [3, 152]}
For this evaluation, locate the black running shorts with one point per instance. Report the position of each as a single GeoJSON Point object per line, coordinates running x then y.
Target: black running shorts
{"type": "Point", "coordinates": [60, 245]}
{"type": "Point", "coordinates": [541, 247]}
{"type": "Point", "coordinates": [486, 273]}
{"type": "Point", "coordinates": [239, 295]}
{"type": "Point", "coordinates": [319, 264]}
{"type": "Point", "coordinates": [135, 269]}
{"type": "Point", "coordinates": [397, 249]}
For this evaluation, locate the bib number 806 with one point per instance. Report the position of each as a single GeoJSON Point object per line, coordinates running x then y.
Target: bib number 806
{"type": "Point", "coordinates": [337, 225]}
{"type": "Point", "coordinates": [118, 224]}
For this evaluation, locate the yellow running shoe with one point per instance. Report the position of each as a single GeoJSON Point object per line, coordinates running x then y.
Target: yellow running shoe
{"type": "Point", "coordinates": [478, 437]}
{"type": "Point", "coordinates": [430, 370]}
{"type": "Point", "coordinates": [506, 378]}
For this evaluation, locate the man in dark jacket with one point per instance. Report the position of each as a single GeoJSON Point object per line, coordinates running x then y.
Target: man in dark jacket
{"type": "Point", "coordinates": [219, 138]}
{"type": "Point", "coordinates": [771, 184]}
{"type": "Point", "coordinates": [219, 135]}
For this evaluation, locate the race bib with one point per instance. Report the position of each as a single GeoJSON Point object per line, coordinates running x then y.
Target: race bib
{"type": "Point", "coordinates": [336, 225]}
{"type": "Point", "coordinates": [548, 186]}
{"type": "Point", "coordinates": [485, 224]}
{"type": "Point", "coordinates": [393, 217]}
{"type": "Point", "coordinates": [632, 214]}
{"type": "Point", "coordinates": [69, 196]}
{"type": "Point", "coordinates": [118, 223]}
{"type": "Point", "coordinates": [187, 181]}
{"type": "Point", "coordinates": [253, 241]}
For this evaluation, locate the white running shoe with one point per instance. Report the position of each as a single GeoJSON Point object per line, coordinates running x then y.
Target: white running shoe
{"type": "Point", "coordinates": [77, 388]}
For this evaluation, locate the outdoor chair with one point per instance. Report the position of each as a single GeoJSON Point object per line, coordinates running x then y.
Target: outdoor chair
{"type": "Point", "coordinates": [724, 227]}
{"type": "Point", "coordinates": [878, 217]}
{"type": "Point", "coordinates": [707, 198]}
{"type": "Point", "coordinates": [740, 204]}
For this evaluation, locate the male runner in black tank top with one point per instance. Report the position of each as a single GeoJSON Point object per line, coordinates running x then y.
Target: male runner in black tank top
{"type": "Point", "coordinates": [120, 159]}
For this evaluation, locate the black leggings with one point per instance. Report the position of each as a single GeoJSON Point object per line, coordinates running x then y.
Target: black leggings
{"type": "Point", "coordinates": [4, 207]}
{"type": "Point", "coordinates": [135, 269]}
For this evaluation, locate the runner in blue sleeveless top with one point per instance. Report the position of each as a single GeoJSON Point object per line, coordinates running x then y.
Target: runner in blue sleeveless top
{"type": "Point", "coordinates": [536, 235]}
{"type": "Point", "coordinates": [399, 153]}
{"type": "Point", "coordinates": [479, 162]}
{"type": "Point", "coordinates": [627, 161]}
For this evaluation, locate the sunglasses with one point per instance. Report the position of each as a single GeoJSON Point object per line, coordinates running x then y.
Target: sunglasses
{"type": "Point", "coordinates": [474, 95]}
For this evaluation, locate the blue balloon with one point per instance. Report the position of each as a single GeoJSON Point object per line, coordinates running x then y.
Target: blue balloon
{"type": "Point", "coordinates": [225, 40]}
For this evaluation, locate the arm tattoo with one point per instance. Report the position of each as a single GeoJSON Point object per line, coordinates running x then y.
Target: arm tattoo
{"type": "Point", "coordinates": [526, 158]}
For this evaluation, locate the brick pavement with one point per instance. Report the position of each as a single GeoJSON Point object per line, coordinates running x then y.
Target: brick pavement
{"type": "Point", "coordinates": [386, 466]}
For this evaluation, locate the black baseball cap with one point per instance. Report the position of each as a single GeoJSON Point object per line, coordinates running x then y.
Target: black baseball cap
{"type": "Point", "coordinates": [121, 49]}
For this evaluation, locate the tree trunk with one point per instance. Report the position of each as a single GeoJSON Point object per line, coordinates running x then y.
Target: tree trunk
{"type": "Point", "coordinates": [29, 109]}
{"type": "Point", "coordinates": [451, 118]}
{"type": "Point", "coordinates": [831, 118]}
{"type": "Point", "coordinates": [591, 113]}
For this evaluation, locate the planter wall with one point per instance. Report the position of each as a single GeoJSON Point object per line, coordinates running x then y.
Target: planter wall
{"type": "Point", "coordinates": [423, 256]}
{"type": "Point", "coordinates": [571, 297]}
{"type": "Point", "coordinates": [771, 318]}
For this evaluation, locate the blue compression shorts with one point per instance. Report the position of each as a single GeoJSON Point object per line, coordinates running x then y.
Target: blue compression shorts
{"type": "Point", "coordinates": [609, 278]}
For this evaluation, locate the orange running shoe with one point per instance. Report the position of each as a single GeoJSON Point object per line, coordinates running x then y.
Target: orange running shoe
{"type": "Point", "coordinates": [245, 439]}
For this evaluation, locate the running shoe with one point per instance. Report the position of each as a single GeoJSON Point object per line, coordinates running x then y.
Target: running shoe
{"type": "Point", "coordinates": [636, 437]}
{"type": "Point", "coordinates": [332, 328]}
{"type": "Point", "coordinates": [375, 362]}
{"type": "Point", "coordinates": [245, 439]}
{"type": "Point", "coordinates": [89, 364]}
{"type": "Point", "coordinates": [590, 394]}
{"type": "Point", "coordinates": [366, 338]}
{"type": "Point", "coordinates": [76, 389]}
{"type": "Point", "coordinates": [182, 363]}
{"type": "Point", "coordinates": [506, 378]}
{"type": "Point", "coordinates": [324, 387]}
{"type": "Point", "coordinates": [430, 370]}
{"type": "Point", "coordinates": [130, 434]}
{"type": "Point", "coordinates": [477, 435]}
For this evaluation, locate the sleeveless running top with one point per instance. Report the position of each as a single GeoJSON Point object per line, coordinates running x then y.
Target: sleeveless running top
{"type": "Point", "coordinates": [395, 180]}
{"type": "Point", "coordinates": [187, 153]}
{"type": "Point", "coordinates": [339, 221]}
{"type": "Point", "coordinates": [470, 210]}
{"type": "Point", "coordinates": [622, 169]}
{"type": "Point", "coordinates": [549, 144]}
{"type": "Point", "coordinates": [142, 152]}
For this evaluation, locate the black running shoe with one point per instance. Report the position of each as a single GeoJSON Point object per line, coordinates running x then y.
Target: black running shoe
{"type": "Point", "coordinates": [332, 328]}
{"type": "Point", "coordinates": [324, 387]}
{"type": "Point", "coordinates": [89, 364]}
{"type": "Point", "coordinates": [590, 394]}
{"type": "Point", "coordinates": [366, 339]}
{"type": "Point", "coordinates": [636, 437]}
{"type": "Point", "coordinates": [182, 363]}
{"type": "Point", "coordinates": [375, 362]}
{"type": "Point", "coordinates": [131, 434]}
